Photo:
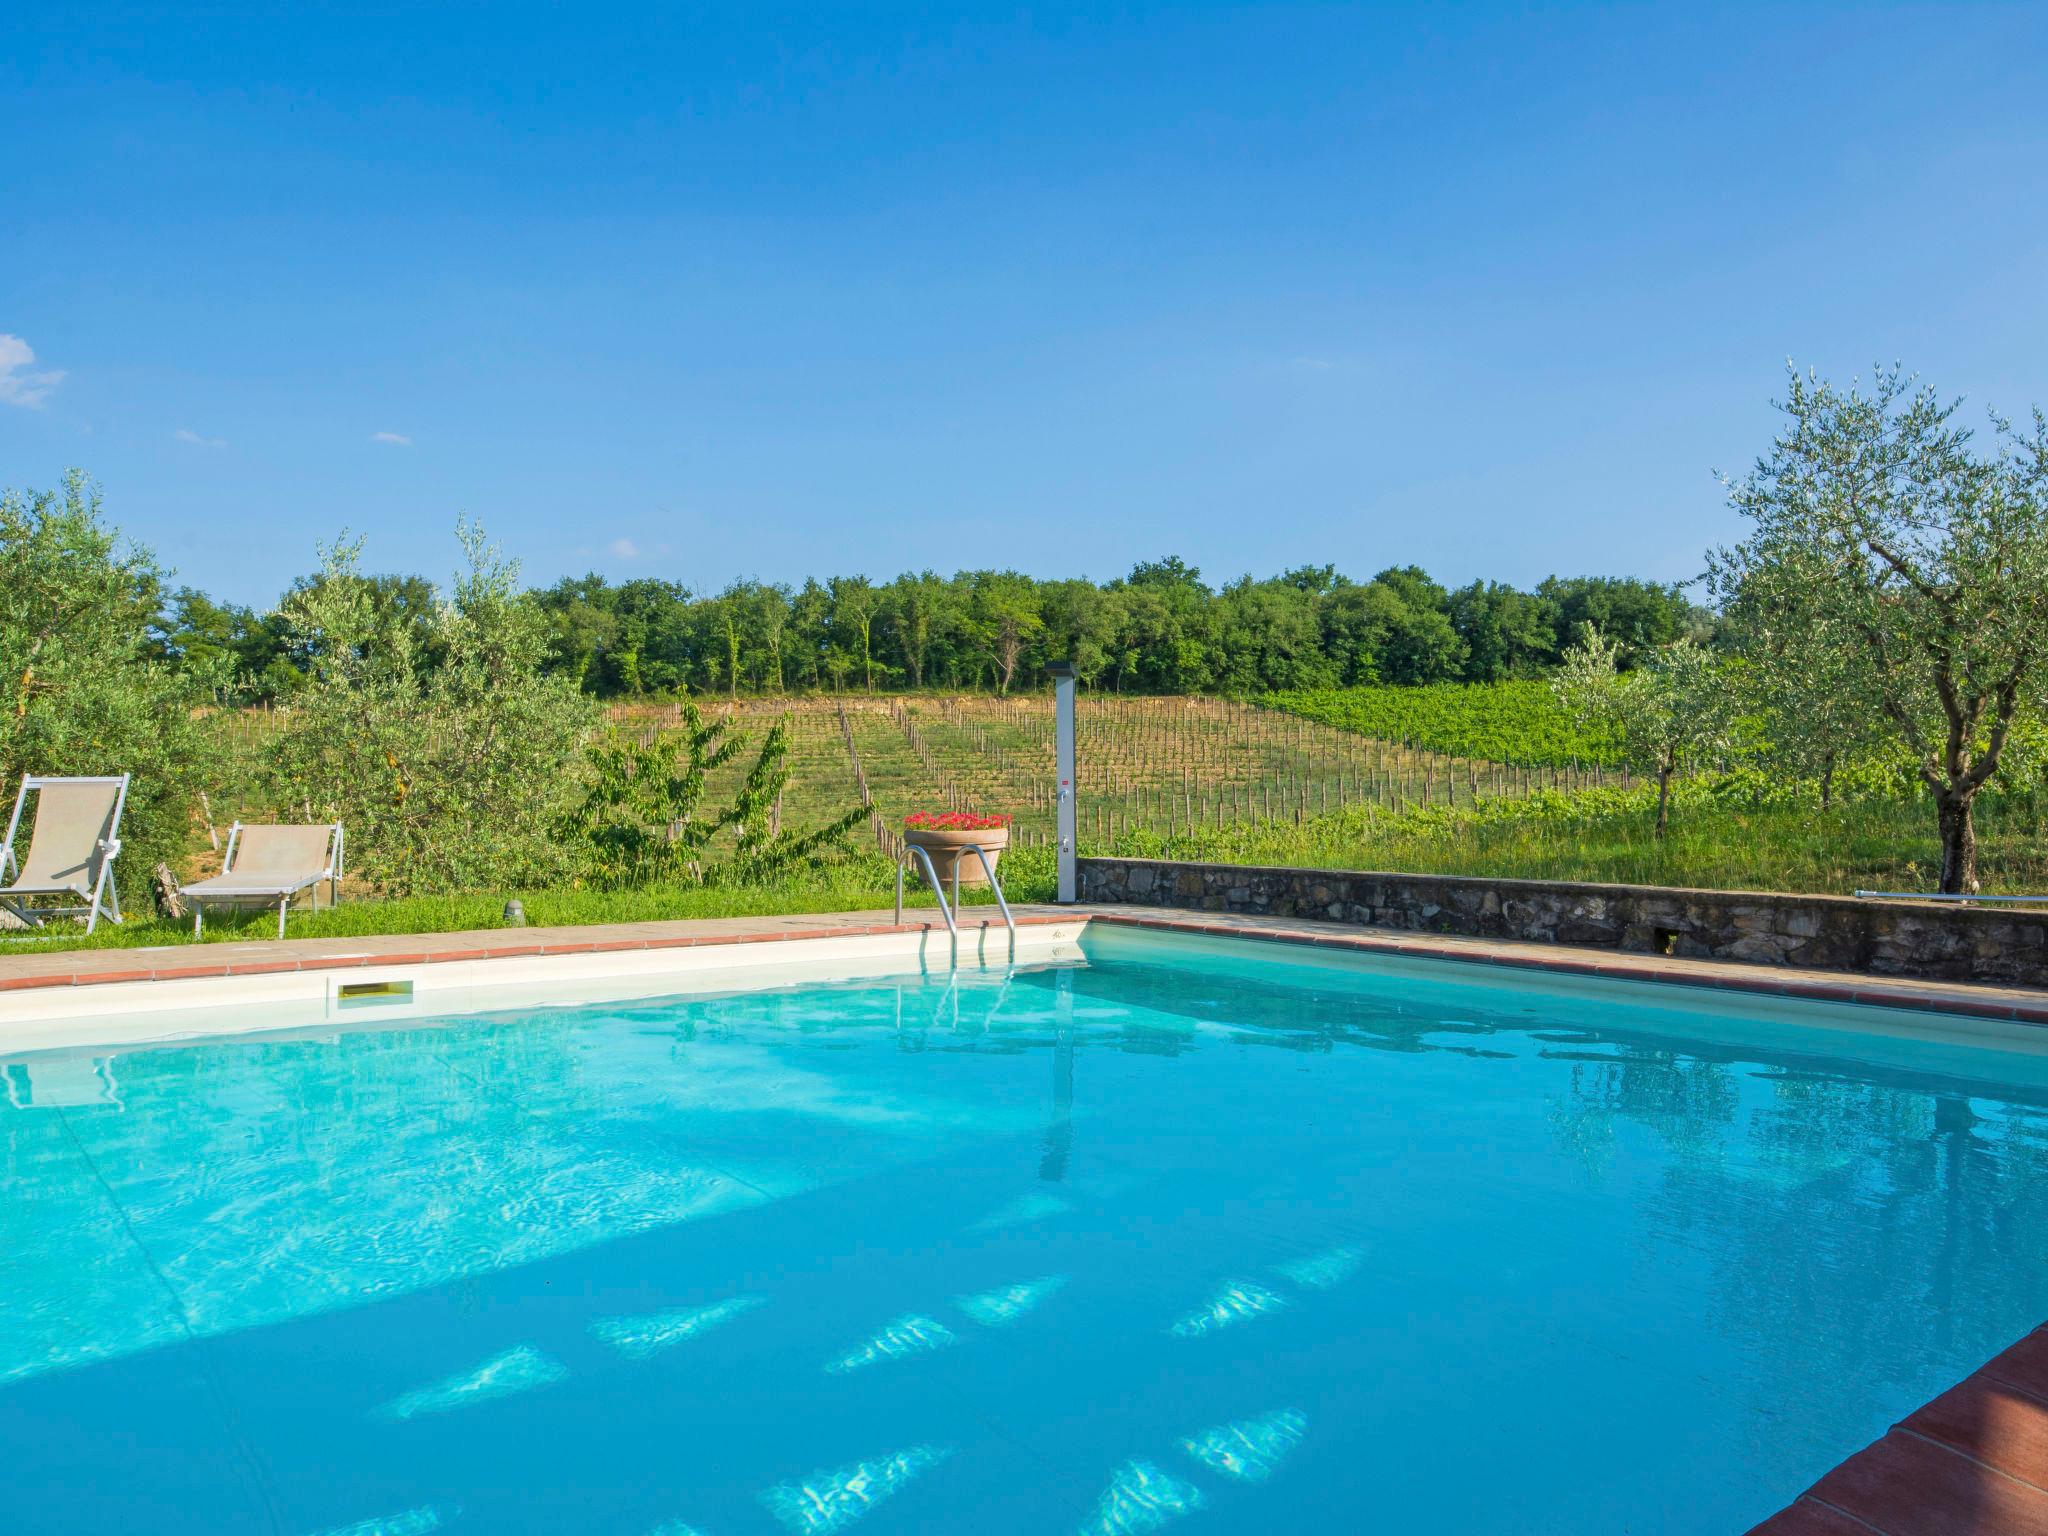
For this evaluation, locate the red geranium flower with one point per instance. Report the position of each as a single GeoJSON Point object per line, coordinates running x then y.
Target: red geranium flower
{"type": "Point", "coordinates": [954, 821]}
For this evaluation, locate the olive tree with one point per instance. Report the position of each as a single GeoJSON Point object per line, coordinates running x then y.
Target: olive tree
{"type": "Point", "coordinates": [1669, 712]}
{"type": "Point", "coordinates": [1894, 566]}
{"type": "Point", "coordinates": [447, 752]}
{"type": "Point", "coordinates": [1811, 705]}
{"type": "Point", "coordinates": [83, 688]}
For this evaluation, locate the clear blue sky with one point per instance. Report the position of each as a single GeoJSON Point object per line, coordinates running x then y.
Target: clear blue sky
{"type": "Point", "coordinates": [771, 290]}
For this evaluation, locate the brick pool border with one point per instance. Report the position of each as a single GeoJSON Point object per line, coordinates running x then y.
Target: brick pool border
{"type": "Point", "coordinates": [1973, 1460]}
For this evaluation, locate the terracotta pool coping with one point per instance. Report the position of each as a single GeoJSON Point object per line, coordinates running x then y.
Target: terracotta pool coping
{"type": "Point", "coordinates": [27, 971]}
{"type": "Point", "coordinates": [1975, 1460]}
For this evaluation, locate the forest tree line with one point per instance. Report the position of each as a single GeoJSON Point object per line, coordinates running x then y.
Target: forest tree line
{"type": "Point", "coordinates": [1161, 629]}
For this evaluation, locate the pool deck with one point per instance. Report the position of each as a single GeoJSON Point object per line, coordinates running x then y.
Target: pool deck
{"type": "Point", "coordinates": [262, 957]}
{"type": "Point", "coordinates": [1974, 1460]}
{"type": "Point", "coordinates": [26, 969]}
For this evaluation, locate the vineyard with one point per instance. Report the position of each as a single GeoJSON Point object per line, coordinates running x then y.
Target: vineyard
{"type": "Point", "coordinates": [1159, 766]}
{"type": "Point", "coordinates": [1514, 722]}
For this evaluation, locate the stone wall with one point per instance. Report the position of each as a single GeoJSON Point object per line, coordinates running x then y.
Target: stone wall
{"type": "Point", "coordinates": [2004, 945]}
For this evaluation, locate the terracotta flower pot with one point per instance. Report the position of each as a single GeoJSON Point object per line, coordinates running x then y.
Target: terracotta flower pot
{"type": "Point", "coordinates": [948, 848]}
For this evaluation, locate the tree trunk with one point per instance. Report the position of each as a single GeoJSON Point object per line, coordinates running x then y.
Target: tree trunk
{"type": "Point", "coordinates": [1827, 784]}
{"type": "Point", "coordinates": [1958, 842]}
{"type": "Point", "coordinates": [1663, 799]}
{"type": "Point", "coordinates": [163, 887]}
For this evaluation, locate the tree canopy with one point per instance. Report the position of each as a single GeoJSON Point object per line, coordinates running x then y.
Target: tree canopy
{"type": "Point", "coordinates": [1900, 571]}
{"type": "Point", "coordinates": [1160, 629]}
{"type": "Point", "coordinates": [88, 688]}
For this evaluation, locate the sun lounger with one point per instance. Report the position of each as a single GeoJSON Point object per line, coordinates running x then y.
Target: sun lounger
{"type": "Point", "coordinates": [269, 866]}
{"type": "Point", "coordinates": [71, 850]}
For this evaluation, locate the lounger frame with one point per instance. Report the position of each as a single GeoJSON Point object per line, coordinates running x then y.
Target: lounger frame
{"type": "Point", "coordinates": [283, 894]}
{"type": "Point", "coordinates": [105, 898]}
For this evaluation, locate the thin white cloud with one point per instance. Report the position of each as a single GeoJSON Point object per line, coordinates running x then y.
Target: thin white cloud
{"type": "Point", "coordinates": [395, 439]}
{"type": "Point", "coordinates": [187, 435]}
{"type": "Point", "coordinates": [623, 549]}
{"type": "Point", "coordinates": [17, 385]}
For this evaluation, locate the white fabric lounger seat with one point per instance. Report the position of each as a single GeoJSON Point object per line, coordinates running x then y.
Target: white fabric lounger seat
{"type": "Point", "coordinates": [270, 865]}
{"type": "Point", "coordinates": [71, 849]}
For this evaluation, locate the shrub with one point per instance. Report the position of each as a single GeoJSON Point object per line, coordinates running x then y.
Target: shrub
{"type": "Point", "coordinates": [439, 743]}
{"type": "Point", "coordinates": [641, 819]}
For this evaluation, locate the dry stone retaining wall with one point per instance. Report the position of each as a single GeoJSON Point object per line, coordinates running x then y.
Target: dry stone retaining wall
{"type": "Point", "coordinates": [1994, 944]}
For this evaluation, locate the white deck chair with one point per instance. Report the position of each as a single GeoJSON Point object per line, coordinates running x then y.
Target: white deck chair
{"type": "Point", "coordinates": [71, 849]}
{"type": "Point", "coordinates": [266, 865]}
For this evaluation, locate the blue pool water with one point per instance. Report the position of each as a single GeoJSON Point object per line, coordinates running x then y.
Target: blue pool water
{"type": "Point", "coordinates": [1188, 1238]}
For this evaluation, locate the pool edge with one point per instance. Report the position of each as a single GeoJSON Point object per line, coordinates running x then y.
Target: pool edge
{"type": "Point", "coordinates": [1967, 999]}
{"type": "Point", "coordinates": [27, 980]}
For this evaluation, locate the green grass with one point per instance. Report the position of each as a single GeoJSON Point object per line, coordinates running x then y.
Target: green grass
{"type": "Point", "coordinates": [863, 883]}
{"type": "Point", "coordinates": [1879, 843]}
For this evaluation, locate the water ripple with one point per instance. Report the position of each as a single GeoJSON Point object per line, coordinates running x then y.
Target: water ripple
{"type": "Point", "coordinates": [830, 1501]}
{"type": "Point", "coordinates": [1322, 1270]}
{"type": "Point", "coordinates": [1239, 1301]}
{"type": "Point", "coordinates": [1142, 1498]}
{"type": "Point", "coordinates": [520, 1369]}
{"type": "Point", "coordinates": [407, 1522]}
{"type": "Point", "coordinates": [1007, 1303]}
{"type": "Point", "coordinates": [911, 1334]}
{"type": "Point", "coordinates": [1249, 1449]}
{"type": "Point", "coordinates": [1025, 1208]}
{"type": "Point", "coordinates": [649, 1333]}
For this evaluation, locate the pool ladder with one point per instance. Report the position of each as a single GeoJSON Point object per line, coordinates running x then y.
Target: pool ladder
{"type": "Point", "coordinates": [946, 909]}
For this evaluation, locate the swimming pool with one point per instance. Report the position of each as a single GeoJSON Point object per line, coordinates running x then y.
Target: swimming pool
{"type": "Point", "coordinates": [1186, 1234]}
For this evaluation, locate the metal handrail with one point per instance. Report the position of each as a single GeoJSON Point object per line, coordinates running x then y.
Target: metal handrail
{"type": "Point", "coordinates": [1937, 896]}
{"type": "Point", "coordinates": [931, 874]}
{"type": "Point", "coordinates": [995, 885]}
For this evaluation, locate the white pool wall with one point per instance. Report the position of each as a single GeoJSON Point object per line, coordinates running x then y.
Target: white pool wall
{"type": "Point", "coordinates": [129, 1013]}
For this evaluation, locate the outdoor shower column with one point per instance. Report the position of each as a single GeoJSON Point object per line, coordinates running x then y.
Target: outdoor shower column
{"type": "Point", "coordinates": [1063, 760]}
